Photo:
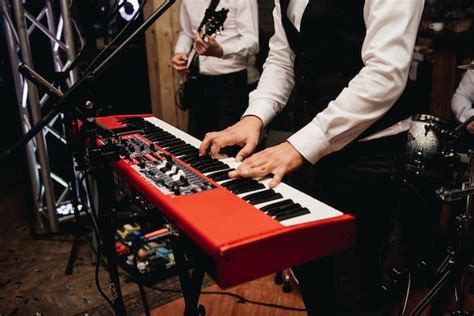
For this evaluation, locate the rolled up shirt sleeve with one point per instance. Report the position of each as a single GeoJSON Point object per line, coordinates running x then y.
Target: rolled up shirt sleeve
{"type": "Point", "coordinates": [186, 34]}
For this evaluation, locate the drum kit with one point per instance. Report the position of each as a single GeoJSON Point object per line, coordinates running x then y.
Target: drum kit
{"type": "Point", "coordinates": [438, 153]}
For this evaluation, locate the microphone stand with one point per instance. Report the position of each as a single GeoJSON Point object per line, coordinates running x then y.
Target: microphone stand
{"type": "Point", "coordinates": [77, 101]}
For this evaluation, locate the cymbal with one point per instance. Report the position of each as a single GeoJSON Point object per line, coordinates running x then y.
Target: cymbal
{"type": "Point", "coordinates": [466, 67]}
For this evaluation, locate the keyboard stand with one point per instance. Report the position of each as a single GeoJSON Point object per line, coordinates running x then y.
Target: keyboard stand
{"type": "Point", "coordinates": [190, 265]}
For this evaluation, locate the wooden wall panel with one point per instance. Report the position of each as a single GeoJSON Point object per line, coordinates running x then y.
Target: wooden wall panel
{"type": "Point", "coordinates": [160, 41]}
{"type": "Point", "coordinates": [443, 83]}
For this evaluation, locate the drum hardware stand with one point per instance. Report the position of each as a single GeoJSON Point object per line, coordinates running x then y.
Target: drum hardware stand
{"type": "Point", "coordinates": [76, 101]}
{"type": "Point", "coordinates": [457, 259]}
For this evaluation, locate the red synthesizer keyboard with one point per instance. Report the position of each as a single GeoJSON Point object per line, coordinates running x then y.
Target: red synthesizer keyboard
{"type": "Point", "coordinates": [246, 229]}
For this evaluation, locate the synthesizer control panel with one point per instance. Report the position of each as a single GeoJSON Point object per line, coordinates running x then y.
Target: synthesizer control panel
{"type": "Point", "coordinates": [158, 167]}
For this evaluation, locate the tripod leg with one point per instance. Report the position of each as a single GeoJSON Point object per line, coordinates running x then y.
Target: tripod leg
{"type": "Point", "coordinates": [144, 300]}
{"type": "Point", "coordinates": [190, 283]}
{"type": "Point", "coordinates": [431, 294]}
{"type": "Point", "coordinates": [72, 256]}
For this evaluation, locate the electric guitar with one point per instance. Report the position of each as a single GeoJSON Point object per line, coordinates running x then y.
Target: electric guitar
{"type": "Point", "coordinates": [212, 26]}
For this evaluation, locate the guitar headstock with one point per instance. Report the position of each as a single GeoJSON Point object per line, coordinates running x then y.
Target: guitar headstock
{"type": "Point", "coordinates": [215, 23]}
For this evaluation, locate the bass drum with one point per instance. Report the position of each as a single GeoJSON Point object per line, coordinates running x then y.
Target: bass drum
{"type": "Point", "coordinates": [427, 147]}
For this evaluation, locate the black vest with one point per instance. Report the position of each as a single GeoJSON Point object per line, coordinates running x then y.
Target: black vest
{"type": "Point", "coordinates": [328, 55]}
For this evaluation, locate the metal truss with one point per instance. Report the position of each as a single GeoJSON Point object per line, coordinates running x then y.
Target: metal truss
{"type": "Point", "coordinates": [51, 190]}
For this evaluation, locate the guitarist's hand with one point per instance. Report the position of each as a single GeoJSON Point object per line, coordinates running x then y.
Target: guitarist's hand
{"type": "Point", "coordinates": [179, 62]}
{"type": "Point", "coordinates": [209, 48]}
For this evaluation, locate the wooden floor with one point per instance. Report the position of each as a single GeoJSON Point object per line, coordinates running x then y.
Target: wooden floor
{"type": "Point", "coordinates": [262, 290]}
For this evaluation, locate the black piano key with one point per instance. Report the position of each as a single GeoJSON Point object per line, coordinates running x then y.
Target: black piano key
{"type": "Point", "coordinates": [221, 175]}
{"type": "Point", "coordinates": [248, 188]}
{"type": "Point", "coordinates": [211, 165]}
{"type": "Point", "coordinates": [251, 183]}
{"type": "Point", "coordinates": [258, 194]}
{"type": "Point", "coordinates": [202, 162]}
{"type": "Point", "coordinates": [235, 182]}
{"type": "Point", "coordinates": [189, 157]}
{"type": "Point", "coordinates": [172, 148]}
{"type": "Point", "coordinates": [157, 136]}
{"type": "Point", "coordinates": [171, 142]}
{"type": "Point", "coordinates": [186, 151]}
{"type": "Point", "coordinates": [297, 213]}
{"type": "Point", "coordinates": [194, 158]}
{"type": "Point", "coordinates": [158, 133]}
{"type": "Point", "coordinates": [285, 209]}
{"type": "Point", "coordinates": [266, 198]}
{"type": "Point", "coordinates": [214, 168]}
{"type": "Point", "coordinates": [277, 205]}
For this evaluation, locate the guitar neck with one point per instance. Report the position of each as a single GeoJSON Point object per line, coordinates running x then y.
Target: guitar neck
{"type": "Point", "coordinates": [191, 56]}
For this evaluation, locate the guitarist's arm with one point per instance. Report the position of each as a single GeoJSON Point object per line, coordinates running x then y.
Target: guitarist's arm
{"type": "Point", "coordinates": [185, 40]}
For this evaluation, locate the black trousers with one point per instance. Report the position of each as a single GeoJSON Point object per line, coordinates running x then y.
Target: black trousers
{"type": "Point", "coordinates": [363, 180]}
{"type": "Point", "coordinates": [220, 102]}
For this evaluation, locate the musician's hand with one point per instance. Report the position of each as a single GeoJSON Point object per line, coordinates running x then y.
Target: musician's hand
{"type": "Point", "coordinates": [210, 47]}
{"type": "Point", "coordinates": [179, 62]}
{"type": "Point", "coordinates": [470, 127]}
{"type": "Point", "coordinates": [244, 133]}
{"type": "Point", "coordinates": [277, 160]}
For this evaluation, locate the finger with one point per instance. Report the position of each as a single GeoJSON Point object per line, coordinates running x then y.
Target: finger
{"type": "Point", "coordinates": [215, 150]}
{"type": "Point", "coordinates": [206, 144]}
{"type": "Point", "coordinates": [242, 171]}
{"type": "Point", "coordinates": [199, 49]}
{"type": "Point", "coordinates": [211, 40]}
{"type": "Point", "coordinates": [221, 142]}
{"type": "Point", "coordinates": [245, 151]}
{"type": "Point", "coordinates": [277, 177]}
{"type": "Point", "coordinates": [180, 58]}
{"type": "Point", "coordinates": [179, 62]}
{"type": "Point", "coordinates": [197, 37]}
{"type": "Point", "coordinates": [180, 68]}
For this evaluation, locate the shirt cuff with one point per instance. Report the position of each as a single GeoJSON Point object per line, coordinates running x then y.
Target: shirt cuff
{"type": "Point", "coordinates": [310, 142]}
{"type": "Point", "coordinates": [260, 110]}
{"type": "Point", "coordinates": [467, 114]}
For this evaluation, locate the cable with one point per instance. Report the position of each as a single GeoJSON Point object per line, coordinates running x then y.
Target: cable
{"type": "Point", "coordinates": [97, 282]}
{"type": "Point", "coordinates": [239, 297]}
{"type": "Point", "coordinates": [245, 300]}
{"type": "Point", "coordinates": [407, 295]}
{"type": "Point", "coordinates": [92, 211]}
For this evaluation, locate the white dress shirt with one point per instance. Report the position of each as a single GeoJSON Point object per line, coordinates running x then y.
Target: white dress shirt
{"type": "Point", "coordinates": [463, 98]}
{"type": "Point", "coordinates": [386, 53]}
{"type": "Point", "coordinates": [239, 38]}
